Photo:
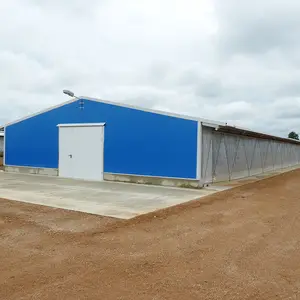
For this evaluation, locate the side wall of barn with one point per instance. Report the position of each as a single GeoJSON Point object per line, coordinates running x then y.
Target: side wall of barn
{"type": "Point", "coordinates": [231, 156]}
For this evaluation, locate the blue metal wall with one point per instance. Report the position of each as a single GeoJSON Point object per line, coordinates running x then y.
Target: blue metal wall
{"type": "Point", "coordinates": [136, 142]}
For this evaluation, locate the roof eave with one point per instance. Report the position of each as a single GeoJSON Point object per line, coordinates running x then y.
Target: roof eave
{"type": "Point", "coordinates": [254, 134]}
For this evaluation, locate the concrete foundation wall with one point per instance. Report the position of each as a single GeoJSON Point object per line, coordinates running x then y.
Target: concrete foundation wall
{"type": "Point", "coordinates": [29, 170]}
{"type": "Point", "coordinates": [173, 182]}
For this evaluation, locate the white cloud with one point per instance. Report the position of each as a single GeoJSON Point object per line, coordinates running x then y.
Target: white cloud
{"type": "Point", "coordinates": [227, 60]}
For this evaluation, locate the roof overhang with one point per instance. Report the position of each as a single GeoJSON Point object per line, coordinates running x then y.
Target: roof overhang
{"type": "Point", "coordinates": [254, 134]}
{"type": "Point", "coordinates": [212, 124]}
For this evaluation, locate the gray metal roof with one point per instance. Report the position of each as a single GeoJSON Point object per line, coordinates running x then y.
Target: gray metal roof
{"type": "Point", "coordinates": [254, 134]}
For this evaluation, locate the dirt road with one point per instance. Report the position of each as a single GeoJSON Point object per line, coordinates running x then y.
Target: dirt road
{"type": "Point", "coordinates": [240, 244]}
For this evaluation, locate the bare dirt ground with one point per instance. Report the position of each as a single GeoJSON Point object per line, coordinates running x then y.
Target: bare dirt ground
{"type": "Point", "coordinates": [243, 243]}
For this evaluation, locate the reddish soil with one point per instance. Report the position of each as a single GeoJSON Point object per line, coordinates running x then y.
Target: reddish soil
{"type": "Point", "coordinates": [243, 243]}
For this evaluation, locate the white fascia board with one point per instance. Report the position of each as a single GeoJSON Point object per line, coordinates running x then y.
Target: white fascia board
{"type": "Point", "coordinates": [199, 152]}
{"type": "Point", "coordinates": [82, 125]}
{"type": "Point", "coordinates": [213, 124]}
{"type": "Point", "coordinates": [4, 146]}
{"type": "Point", "coordinates": [41, 112]}
{"type": "Point", "coordinates": [180, 116]}
{"type": "Point", "coordinates": [159, 112]}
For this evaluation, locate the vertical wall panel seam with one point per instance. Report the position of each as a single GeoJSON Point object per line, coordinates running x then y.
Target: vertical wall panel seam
{"type": "Point", "coordinates": [4, 146]}
{"type": "Point", "coordinates": [199, 151]}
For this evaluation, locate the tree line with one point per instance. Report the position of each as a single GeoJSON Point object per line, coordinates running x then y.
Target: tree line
{"type": "Point", "coordinates": [293, 135]}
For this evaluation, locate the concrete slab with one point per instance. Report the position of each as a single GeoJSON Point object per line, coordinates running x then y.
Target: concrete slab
{"type": "Point", "coordinates": [120, 200]}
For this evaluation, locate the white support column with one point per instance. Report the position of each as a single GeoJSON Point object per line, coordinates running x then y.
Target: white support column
{"type": "Point", "coordinates": [4, 146]}
{"type": "Point", "coordinates": [199, 151]}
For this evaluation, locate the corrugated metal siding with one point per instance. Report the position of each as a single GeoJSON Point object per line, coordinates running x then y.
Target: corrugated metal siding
{"type": "Point", "coordinates": [226, 157]}
{"type": "Point", "coordinates": [1, 143]}
{"type": "Point", "coordinates": [136, 142]}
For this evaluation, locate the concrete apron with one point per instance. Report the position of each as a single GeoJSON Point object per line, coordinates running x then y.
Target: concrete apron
{"type": "Point", "coordinates": [120, 200]}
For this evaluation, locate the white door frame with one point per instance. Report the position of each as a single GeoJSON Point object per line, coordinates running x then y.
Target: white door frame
{"type": "Point", "coordinates": [85, 125]}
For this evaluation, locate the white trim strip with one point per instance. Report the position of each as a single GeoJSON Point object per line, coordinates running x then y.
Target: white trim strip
{"type": "Point", "coordinates": [215, 123]}
{"type": "Point", "coordinates": [199, 151]}
{"type": "Point", "coordinates": [41, 112]}
{"type": "Point", "coordinates": [212, 125]}
{"type": "Point", "coordinates": [81, 125]}
{"type": "Point", "coordinates": [180, 116]}
{"type": "Point", "coordinates": [4, 146]}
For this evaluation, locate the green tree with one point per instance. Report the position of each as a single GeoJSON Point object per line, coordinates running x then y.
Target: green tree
{"type": "Point", "coordinates": [293, 135]}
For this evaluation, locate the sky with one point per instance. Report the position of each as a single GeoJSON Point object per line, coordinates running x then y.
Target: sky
{"type": "Point", "coordinates": [226, 60]}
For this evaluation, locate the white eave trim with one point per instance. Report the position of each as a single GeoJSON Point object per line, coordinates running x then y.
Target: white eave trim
{"type": "Point", "coordinates": [41, 112]}
{"type": "Point", "coordinates": [82, 125]}
{"type": "Point", "coordinates": [213, 125]}
{"type": "Point", "coordinates": [175, 115]}
{"type": "Point", "coordinates": [154, 111]}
